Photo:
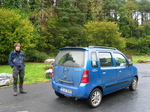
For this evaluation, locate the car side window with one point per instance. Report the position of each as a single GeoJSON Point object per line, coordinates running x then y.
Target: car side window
{"type": "Point", "coordinates": [105, 59]}
{"type": "Point", "coordinates": [120, 60]}
{"type": "Point", "coordinates": [94, 60]}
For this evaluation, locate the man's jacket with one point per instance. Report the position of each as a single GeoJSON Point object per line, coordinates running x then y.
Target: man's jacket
{"type": "Point", "coordinates": [16, 60]}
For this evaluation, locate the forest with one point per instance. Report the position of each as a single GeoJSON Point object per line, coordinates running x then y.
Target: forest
{"type": "Point", "coordinates": [43, 26]}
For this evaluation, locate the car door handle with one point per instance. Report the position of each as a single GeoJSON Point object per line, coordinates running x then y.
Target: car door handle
{"type": "Point", "coordinates": [119, 70]}
{"type": "Point", "coordinates": [66, 69]}
{"type": "Point", "coordinates": [104, 72]}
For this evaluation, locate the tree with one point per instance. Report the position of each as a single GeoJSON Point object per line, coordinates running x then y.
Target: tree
{"type": "Point", "coordinates": [95, 9]}
{"type": "Point", "coordinates": [65, 27]}
{"type": "Point", "coordinates": [144, 9]}
{"type": "Point", "coordinates": [104, 34]}
{"type": "Point", "coordinates": [111, 9]}
{"type": "Point", "coordinates": [10, 4]}
{"type": "Point", "coordinates": [146, 25]}
{"type": "Point", "coordinates": [128, 25]}
{"type": "Point", "coordinates": [14, 28]}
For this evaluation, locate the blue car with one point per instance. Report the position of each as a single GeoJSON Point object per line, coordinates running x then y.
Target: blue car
{"type": "Point", "coordinates": [91, 72]}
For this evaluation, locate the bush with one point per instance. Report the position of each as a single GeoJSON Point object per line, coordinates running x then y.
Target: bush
{"type": "Point", "coordinates": [36, 56]}
{"type": "Point", "coordinates": [141, 44]}
{"type": "Point", "coordinates": [14, 27]}
{"type": "Point", "coordinates": [131, 42]}
{"type": "Point", "coordinates": [104, 34]}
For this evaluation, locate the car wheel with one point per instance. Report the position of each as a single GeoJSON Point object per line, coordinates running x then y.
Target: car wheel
{"type": "Point", "coordinates": [95, 98]}
{"type": "Point", "coordinates": [59, 94]}
{"type": "Point", "coordinates": [133, 85]}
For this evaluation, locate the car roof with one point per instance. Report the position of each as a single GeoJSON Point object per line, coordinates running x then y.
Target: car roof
{"type": "Point", "coordinates": [93, 48]}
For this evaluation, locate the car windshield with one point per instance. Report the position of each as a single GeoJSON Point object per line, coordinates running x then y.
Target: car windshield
{"type": "Point", "coordinates": [70, 58]}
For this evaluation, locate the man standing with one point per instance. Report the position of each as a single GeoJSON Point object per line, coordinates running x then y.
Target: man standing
{"type": "Point", "coordinates": [16, 61]}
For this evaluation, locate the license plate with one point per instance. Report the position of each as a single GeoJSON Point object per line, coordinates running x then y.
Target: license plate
{"type": "Point", "coordinates": [66, 90]}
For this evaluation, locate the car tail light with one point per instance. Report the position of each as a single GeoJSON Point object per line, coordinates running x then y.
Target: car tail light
{"type": "Point", "coordinates": [85, 76]}
{"type": "Point", "coordinates": [52, 71]}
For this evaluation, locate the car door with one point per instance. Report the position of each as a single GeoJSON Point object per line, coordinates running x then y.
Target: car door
{"type": "Point", "coordinates": [108, 72]}
{"type": "Point", "coordinates": [123, 71]}
{"type": "Point", "coordinates": [94, 70]}
{"type": "Point", "coordinates": [68, 67]}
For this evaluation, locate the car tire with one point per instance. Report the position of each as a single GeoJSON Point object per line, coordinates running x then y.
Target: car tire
{"type": "Point", "coordinates": [95, 98]}
{"type": "Point", "coordinates": [133, 85]}
{"type": "Point", "coordinates": [59, 94]}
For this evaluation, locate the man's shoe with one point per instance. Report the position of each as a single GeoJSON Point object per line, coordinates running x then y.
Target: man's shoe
{"type": "Point", "coordinates": [15, 93]}
{"type": "Point", "coordinates": [23, 91]}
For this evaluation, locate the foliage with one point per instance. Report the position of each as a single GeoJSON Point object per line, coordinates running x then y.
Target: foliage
{"type": "Point", "coordinates": [111, 9]}
{"type": "Point", "coordinates": [141, 45]}
{"type": "Point", "coordinates": [131, 42]}
{"type": "Point", "coordinates": [104, 34]}
{"type": "Point", "coordinates": [146, 26]}
{"type": "Point", "coordinates": [59, 23]}
{"type": "Point", "coordinates": [11, 4]}
{"type": "Point", "coordinates": [36, 56]}
{"type": "Point", "coordinates": [14, 27]}
{"type": "Point", "coordinates": [144, 9]}
{"type": "Point", "coordinates": [128, 25]}
{"type": "Point", "coordinates": [95, 9]}
{"type": "Point", "coordinates": [65, 27]}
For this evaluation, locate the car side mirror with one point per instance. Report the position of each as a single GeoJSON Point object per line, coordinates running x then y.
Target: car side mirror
{"type": "Point", "coordinates": [130, 63]}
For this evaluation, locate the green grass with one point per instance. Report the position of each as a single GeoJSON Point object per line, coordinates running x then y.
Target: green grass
{"type": "Point", "coordinates": [136, 58]}
{"type": "Point", "coordinates": [34, 72]}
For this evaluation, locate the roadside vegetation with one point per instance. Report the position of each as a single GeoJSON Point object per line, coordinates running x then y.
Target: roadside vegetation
{"type": "Point", "coordinates": [142, 58]}
{"type": "Point", "coordinates": [44, 26]}
{"type": "Point", "coordinates": [34, 72]}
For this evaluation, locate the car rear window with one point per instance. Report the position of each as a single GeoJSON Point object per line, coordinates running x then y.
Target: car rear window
{"type": "Point", "coordinates": [70, 58]}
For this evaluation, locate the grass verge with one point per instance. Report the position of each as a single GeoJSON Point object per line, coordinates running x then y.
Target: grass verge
{"type": "Point", "coordinates": [136, 58]}
{"type": "Point", "coordinates": [34, 72]}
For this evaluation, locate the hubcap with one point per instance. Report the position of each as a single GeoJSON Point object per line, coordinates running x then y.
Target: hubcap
{"type": "Point", "coordinates": [96, 98]}
{"type": "Point", "coordinates": [134, 83]}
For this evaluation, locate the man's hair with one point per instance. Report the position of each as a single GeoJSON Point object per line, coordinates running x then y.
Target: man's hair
{"type": "Point", "coordinates": [17, 44]}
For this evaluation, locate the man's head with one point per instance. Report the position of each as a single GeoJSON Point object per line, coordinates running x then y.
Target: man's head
{"type": "Point", "coordinates": [17, 46]}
